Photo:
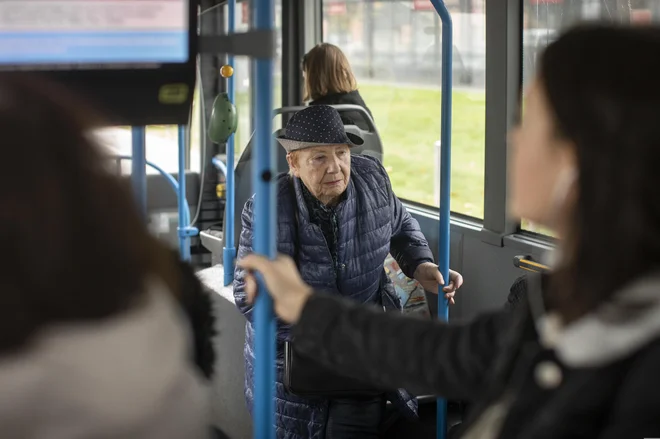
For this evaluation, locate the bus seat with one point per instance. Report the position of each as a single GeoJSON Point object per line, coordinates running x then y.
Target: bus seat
{"type": "Point", "coordinates": [229, 411]}
{"type": "Point", "coordinates": [372, 145]}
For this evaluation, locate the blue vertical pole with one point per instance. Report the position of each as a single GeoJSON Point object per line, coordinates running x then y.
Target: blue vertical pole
{"type": "Point", "coordinates": [445, 180]}
{"type": "Point", "coordinates": [229, 251]}
{"type": "Point", "coordinates": [139, 168]}
{"type": "Point", "coordinates": [184, 238]}
{"type": "Point", "coordinates": [264, 230]}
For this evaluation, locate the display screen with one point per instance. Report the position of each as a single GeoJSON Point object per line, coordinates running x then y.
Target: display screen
{"type": "Point", "coordinates": [93, 33]}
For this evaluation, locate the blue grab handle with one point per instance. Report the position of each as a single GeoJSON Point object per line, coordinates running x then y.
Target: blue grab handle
{"type": "Point", "coordinates": [229, 250]}
{"type": "Point", "coordinates": [168, 177]}
{"type": "Point", "coordinates": [445, 180]}
{"type": "Point", "coordinates": [265, 222]}
{"type": "Point", "coordinates": [139, 168]}
{"type": "Point", "coordinates": [219, 166]}
{"type": "Point", "coordinates": [184, 227]}
{"type": "Point", "coordinates": [139, 179]}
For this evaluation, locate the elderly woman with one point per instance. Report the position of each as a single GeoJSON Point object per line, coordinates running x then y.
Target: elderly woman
{"type": "Point", "coordinates": [338, 219]}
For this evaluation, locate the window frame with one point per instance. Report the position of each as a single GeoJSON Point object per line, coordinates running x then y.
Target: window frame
{"type": "Point", "coordinates": [504, 60]}
{"type": "Point", "coordinates": [504, 66]}
{"type": "Point", "coordinates": [408, 202]}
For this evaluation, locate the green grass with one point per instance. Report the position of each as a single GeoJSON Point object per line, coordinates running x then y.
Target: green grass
{"type": "Point", "coordinates": [408, 120]}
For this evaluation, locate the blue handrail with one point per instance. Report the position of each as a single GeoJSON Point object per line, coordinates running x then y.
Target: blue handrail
{"type": "Point", "coordinates": [168, 177]}
{"type": "Point", "coordinates": [185, 232]}
{"type": "Point", "coordinates": [185, 229]}
{"type": "Point", "coordinates": [139, 169]}
{"type": "Point", "coordinates": [229, 250]}
{"type": "Point", "coordinates": [265, 224]}
{"type": "Point", "coordinates": [220, 167]}
{"type": "Point", "coordinates": [445, 180]}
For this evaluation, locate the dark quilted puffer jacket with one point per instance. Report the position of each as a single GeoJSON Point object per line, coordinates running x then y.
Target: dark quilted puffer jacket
{"type": "Point", "coordinates": [372, 223]}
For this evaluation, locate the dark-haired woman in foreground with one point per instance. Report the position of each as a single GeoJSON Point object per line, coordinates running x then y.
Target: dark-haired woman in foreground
{"type": "Point", "coordinates": [579, 358]}
{"type": "Point", "coordinates": [93, 340]}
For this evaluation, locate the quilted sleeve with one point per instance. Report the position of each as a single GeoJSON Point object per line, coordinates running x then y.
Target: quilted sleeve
{"type": "Point", "coordinates": [244, 248]}
{"type": "Point", "coordinates": [198, 305]}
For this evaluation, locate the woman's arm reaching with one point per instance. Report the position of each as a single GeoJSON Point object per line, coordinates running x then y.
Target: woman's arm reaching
{"type": "Point", "coordinates": [386, 349]}
{"type": "Point", "coordinates": [392, 351]}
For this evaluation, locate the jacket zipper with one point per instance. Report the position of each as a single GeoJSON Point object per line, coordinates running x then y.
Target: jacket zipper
{"type": "Point", "coordinates": [327, 247]}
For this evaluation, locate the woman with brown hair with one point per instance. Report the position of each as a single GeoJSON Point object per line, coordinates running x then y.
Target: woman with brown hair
{"type": "Point", "coordinates": [329, 80]}
{"type": "Point", "coordinates": [92, 340]}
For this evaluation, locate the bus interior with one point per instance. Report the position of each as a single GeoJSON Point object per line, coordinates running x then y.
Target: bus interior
{"type": "Point", "coordinates": [395, 48]}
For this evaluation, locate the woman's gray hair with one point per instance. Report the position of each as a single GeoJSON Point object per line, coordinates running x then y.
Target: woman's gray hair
{"type": "Point", "coordinates": [293, 155]}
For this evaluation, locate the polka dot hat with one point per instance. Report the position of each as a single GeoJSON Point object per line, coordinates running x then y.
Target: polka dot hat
{"type": "Point", "coordinates": [316, 125]}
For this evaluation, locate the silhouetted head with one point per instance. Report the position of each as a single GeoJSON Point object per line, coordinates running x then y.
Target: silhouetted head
{"type": "Point", "coordinates": [586, 159]}
{"type": "Point", "coordinates": [75, 247]}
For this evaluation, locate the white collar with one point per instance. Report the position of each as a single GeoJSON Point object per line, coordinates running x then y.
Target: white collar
{"type": "Point", "coordinates": [612, 332]}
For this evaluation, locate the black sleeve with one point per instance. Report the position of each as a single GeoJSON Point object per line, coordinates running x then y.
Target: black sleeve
{"type": "Point", "coordinates": [216, 433]}
{"type": "Point", "coordinates": [198, 306]}
{"type": "Point", "coordinates": [635, 410]}
{"type": "Point", "coordinates": [391, 351]}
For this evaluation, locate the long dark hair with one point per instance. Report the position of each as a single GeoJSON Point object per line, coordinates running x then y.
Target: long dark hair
{"type": "Point", "coordinates": [603, 85]}
{"type": "Point", "coordinates": [75, 247]}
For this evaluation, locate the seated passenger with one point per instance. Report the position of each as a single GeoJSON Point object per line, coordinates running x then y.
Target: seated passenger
{"type": "Point", "coordinates": [328, 80]}
{"type": "Point", "coordinates": [92, 339]}
{"type": "Point", "coordinates": [579, 356]}
{"type": "Point", "coordinates": [338, 218]}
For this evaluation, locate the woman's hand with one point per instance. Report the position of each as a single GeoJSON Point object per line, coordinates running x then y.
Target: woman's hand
{"type": "Point", "coordinates": [430, 277]}
{"type": "Point", "coordinates": [289, 291]}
